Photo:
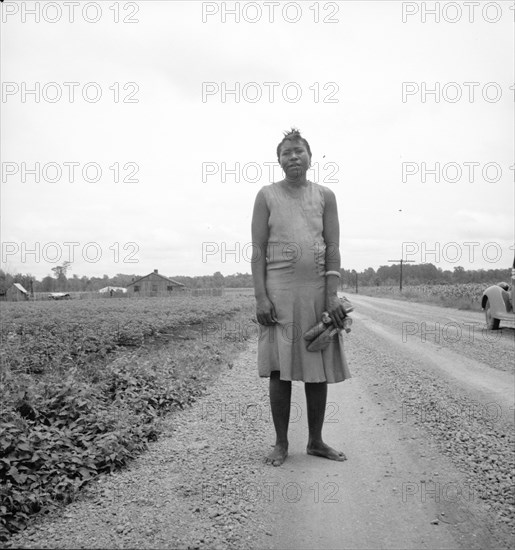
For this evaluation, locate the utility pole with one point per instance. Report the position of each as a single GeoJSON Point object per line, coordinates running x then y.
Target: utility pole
{"type": "Point", "coordinates": [356, 273]}
{"type": "Point", "coordinates": [401, 262]}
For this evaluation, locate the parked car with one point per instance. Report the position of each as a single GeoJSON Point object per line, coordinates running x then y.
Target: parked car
{"type": "Point", "coordinates": [497, 301]}
{"type": "Point", "coordinates": [59, 296]}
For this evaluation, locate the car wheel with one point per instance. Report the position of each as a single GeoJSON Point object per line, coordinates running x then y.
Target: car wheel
{"type": "Point", "coordinates": [491, 322]}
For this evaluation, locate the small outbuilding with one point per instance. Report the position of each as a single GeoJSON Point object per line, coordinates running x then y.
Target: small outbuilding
{"type": "Point", "coordinates": [153, 284]}
{"type": "Point", "coordinates": [112, 289]}
{"type": "Point", "coordinates": [16, 293]}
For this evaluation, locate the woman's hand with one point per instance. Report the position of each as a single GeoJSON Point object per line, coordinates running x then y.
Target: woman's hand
{"type": "Point", "coordinates": [335, 309]}
{"type": "Point", "coordinates": [265, 312]}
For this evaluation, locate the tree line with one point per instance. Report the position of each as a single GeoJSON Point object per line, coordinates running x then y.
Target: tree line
{"type": "Point", "coordinates": [423, 274]}
{"type": "Point", "coordinates": [412, 274]}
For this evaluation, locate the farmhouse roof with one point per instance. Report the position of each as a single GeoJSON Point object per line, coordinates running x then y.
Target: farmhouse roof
{"type": "Point", "coordinates": [20, 288]}
{"type": "Point", "coordinates": [155, 273]}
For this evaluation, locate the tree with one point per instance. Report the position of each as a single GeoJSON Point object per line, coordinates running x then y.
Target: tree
{"type": "Point", "coordinates": [61, 270]}
{"type": "Point", "coordinates": [389, 274]}
{"type": "Point", "coordinates": [459, 275]}
{"type": "Point", "coordinates": [47, 284]}
{"type": "Point", "coordinates": [369, 276]}
{"type": "Point", "coordinates": [218, 280]}
{"type": "Point", "coordinates": [6, 280]}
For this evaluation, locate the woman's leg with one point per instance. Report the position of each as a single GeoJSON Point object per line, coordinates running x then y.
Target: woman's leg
{"type": "Point", "coordinates": [316, 399]}
{"type": "Point", "coordinates": [280, 403]}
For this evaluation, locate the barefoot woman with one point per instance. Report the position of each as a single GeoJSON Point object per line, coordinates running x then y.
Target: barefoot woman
{"type": "Point", "coordinates": [295, 267]}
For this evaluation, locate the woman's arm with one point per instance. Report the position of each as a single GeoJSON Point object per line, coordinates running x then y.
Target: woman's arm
{"type": "Point", "coordinates": [265, 312]}
{"type": "Point", "coordinates": [331, 235]}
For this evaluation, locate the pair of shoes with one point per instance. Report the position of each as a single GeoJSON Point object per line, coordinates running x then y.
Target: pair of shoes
{"type": "Point", "coordinates": [322, 334]}
{"type": "Point", "coordinates": [321, 341]}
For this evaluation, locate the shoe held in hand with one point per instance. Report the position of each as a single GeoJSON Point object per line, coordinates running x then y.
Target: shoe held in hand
{"type": "Point", "coordinates": [322, 341]}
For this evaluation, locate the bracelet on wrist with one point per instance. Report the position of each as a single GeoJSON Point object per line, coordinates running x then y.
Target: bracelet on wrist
{"type": "Point", "coordinates": [337, 273]}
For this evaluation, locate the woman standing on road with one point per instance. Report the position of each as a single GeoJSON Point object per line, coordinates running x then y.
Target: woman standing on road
{"type": "Point", "coordinates": [296, 222]}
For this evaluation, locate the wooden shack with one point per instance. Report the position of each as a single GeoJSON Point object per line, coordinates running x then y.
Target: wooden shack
{"type": "Point", "coordinates": [16, 293]}
{"type": "Point", "coordinates": [153, 284]}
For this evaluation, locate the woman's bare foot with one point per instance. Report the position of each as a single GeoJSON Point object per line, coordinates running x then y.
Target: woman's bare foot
{"type": "Point", "coordinates": [278, 455]}
{"type": "Point", "coordinates": [321, 449]}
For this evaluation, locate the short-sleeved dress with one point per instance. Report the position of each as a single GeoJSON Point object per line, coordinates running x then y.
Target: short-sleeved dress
{"type": "Point", "coordinates": [295, 283]}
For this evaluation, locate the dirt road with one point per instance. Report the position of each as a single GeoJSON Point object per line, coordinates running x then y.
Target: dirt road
{"type": "Point", "coordinates": [452, 343]}
{"type": "Point", "coordinates": [426, 423]}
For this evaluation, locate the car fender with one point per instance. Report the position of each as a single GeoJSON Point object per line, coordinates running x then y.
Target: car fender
{"type": "Point", "coordinates": [498, 305]}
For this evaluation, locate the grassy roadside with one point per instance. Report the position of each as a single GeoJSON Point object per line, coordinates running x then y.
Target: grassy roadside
{"type": "Point", "coordinates": [458, 298]}
{"type": "Point", "coordinates": [66, 421]}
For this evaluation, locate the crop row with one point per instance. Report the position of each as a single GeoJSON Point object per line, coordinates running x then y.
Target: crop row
{"type": "Point", "coordinates": [459, 294]}
{"type": "Point", "coordinates": [468, 291]}
{"type": "Point", "coordinates": [38, 337]}
{"type": "Point", "coordinates": [81, 395]}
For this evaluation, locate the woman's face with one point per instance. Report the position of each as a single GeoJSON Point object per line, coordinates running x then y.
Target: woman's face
{"type": "Point", "coordinates": [294, 158]}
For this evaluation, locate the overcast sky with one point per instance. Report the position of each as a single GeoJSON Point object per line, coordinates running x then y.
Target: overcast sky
{"type": "Point", "coordinates": [355, 77]}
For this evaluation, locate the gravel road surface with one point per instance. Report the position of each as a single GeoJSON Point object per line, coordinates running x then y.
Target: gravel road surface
{"type": "Point", "coordinates": [426, 423]}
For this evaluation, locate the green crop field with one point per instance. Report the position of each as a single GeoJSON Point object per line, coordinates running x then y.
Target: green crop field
{"type": "Point", "coordinates": [84, 383]}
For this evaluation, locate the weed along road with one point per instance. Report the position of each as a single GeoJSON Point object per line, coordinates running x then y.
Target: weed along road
{"type": "Point", "coordinates": [426, 423]}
